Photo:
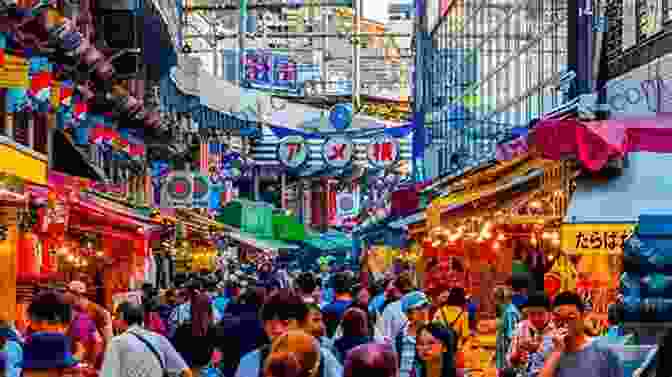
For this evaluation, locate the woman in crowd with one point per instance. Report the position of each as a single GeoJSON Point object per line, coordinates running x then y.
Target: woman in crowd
{"type": "Point", "coordinates": [355, 328]}
{"type": "Point", "coordinates": [436, 348]}
{"type": "Point", "coordinates": [305, 348]}
{"type": "Point", "coordinates": [195, 340]}
{"type": "Point", "coordinates": [371, 360]}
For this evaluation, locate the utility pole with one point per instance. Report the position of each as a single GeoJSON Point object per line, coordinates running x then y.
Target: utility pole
{"type": "Point", "coordinates": [357, 8]}
{"type": "Point", "coordinates": [242, 29]}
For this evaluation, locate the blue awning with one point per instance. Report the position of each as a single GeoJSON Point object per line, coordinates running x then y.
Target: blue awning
{"type": "Point", "coordinates": [643, 186]}
{"type": "Point", "coordinates": [174, 100]}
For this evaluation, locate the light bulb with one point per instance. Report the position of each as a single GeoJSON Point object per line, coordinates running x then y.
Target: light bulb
{"type": "Point", "coordinates": [70, 258]}
{"type": "Point", "coordinates": [535, 204]}
{"type": "Point", "coordinates": [533, 241]}
{"type": "Point", "coordinates": [555, 242]}
{"type": "Point", "coordinates": [495, 245]}
{"type": "Point", "coordinates": [501, 237]}
{"type": "Point", "coordinates": [99, 254]}
{"type": "Point", "coordinates": [546, 235]}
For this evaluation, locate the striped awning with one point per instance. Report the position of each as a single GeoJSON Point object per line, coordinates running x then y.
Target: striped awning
{"type": "Point", "coordinates": [264, 151]}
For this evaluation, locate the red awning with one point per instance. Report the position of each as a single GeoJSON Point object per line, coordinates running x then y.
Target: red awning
{"type": "Point", "coordinates": [595, 143]}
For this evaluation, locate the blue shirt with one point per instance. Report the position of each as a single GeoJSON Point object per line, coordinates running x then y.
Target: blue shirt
{"type": "Point", "coordinates": [220, 303]}
{"type": "Point", "coordinates": [14, 352]}
{"type": "Point", "coordinates": [594, 360]}
{"type": "Point", "coordinates": [376, 304]}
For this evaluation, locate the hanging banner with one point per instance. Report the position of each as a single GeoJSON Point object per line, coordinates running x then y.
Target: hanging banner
{"type": "Point", "coordinates": [594, 238]}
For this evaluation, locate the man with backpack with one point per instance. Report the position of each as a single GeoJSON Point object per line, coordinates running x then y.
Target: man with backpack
{"type": "Point", "coordinates": [416, 307]}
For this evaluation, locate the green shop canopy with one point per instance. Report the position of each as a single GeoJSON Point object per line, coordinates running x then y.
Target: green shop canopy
{"type": "Point", "coordinates": [261, 243]}
{"type": "Point", "coordinates": [330, 241]}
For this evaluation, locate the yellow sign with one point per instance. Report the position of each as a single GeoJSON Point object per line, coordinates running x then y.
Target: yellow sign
{"type": "Point", "coordinates": [14, 73]}
{"type": "Point", "coordinates": [594, 238]}
{"type": "Point", "coordinates": [22, 165]}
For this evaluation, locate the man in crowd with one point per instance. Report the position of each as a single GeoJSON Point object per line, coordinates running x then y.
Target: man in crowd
{"type": "Point", "coordinates": [333, 312]}
{"type": "Point", "coordinates": [282, 311]}
{"type": "Point", "coordinates": [573, 352]}
{"type": "Point", "coordinates": [393, 318]}
{"type": "Point", "coordinates": [138, 352]}
{"type": "Point", "coordinates": [529, 337]}
{"type": "Point", "coordinates": [306, 284]}
{"type": "Point", "coordinates": [11, 349]}
{"type": "Point", "coordinates": [416, 306]}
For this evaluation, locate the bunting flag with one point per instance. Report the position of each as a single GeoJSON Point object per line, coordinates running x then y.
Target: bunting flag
{"type": "Point", "coordinates": [80, 110]}
{"type": "Point", "coordinates": [40, 86]}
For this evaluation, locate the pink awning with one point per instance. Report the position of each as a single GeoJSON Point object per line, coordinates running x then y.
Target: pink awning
{"type": "Point", "coordinates": [595, 143]}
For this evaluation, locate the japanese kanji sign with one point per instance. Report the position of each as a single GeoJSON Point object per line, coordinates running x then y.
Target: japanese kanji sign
{"type": "Point", "coordinates": [292, 151]}
{"type": "Point", "coordinates": [337, 151]}
{"type": "Point", "coordinates": [383, 151]}
{"type": "Point", "coordinates": [594, 238]}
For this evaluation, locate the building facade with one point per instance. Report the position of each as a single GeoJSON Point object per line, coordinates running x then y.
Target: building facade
{"type": "Point", "coordinates": [495, 66]}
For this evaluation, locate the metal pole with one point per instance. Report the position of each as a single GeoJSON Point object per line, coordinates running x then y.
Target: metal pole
{"type": "Point", "coordinates": [357, 9]}
{"type": "Point", "coordinates": [242, 29]}
{"type": "Point", "coordinates": [325, 46]}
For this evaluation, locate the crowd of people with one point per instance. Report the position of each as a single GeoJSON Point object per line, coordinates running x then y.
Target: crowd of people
{"type": "Point", "coordinates": [386, 328]}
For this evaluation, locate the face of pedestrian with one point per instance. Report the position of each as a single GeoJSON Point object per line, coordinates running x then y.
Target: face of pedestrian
{"type": "Point", "coordinates": [570, 318]}
{"type": "Point", "coordinates": [418, 316]}
{"type": "Point", "coordinates": [428, 347]}
{"type": "Point", "coordinates": [276, 327]}
{"type": "Point", "coordinates": [313, 324]}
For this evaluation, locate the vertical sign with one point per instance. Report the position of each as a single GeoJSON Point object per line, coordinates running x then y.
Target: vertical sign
{"type": "Point", "coordinates": [383, 151]}
{"type": "Point", "coordinates": [292, 151]}
{"type": "Point", "coordinates": [337, 152]}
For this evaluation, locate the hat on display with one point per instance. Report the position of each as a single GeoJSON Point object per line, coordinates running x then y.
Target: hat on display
{"type": "Point", "coordinates": [77, 287]}
{"type": "Point", "coordinates": [48, 351]}
{"type": "Point", "coordinates": [414, 300]}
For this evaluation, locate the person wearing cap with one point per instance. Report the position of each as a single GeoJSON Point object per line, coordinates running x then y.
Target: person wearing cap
{"type": "Point", "coordinates": [415, 306]}
{"type": "Point", "coordinates": [526, 349]}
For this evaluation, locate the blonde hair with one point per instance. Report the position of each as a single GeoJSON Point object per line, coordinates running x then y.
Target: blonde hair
{"type": "Point", "coordinates": [305, 347]}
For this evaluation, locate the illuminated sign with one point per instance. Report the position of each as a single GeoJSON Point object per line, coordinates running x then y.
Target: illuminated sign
{"type": "Point", "coordinates": [271, 71]}
{"type": "Point", "coordinates": [383, 151]}
{"type": "Point", "coordinates": [337, 152]}
{"type": "Point", "coordinates": [292, 151]}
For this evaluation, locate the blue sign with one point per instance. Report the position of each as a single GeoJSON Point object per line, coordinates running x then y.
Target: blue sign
{"type": "Point", "coordinates": [340, 116]}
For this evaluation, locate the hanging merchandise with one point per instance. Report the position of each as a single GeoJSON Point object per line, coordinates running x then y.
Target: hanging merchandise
{"type": "Point", "coordinates": [562, 276]}
{"type": "Point", "coordinates": [14, 72]}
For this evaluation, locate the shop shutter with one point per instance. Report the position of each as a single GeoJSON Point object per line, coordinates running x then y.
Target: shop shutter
{"type": "Point", "coordinates": [40, 133]}
{"type": "Point", "coordinates": [21, 128]}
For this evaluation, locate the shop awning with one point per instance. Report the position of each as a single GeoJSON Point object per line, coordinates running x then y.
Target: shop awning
{"type": "Point", "coordinates": [263, 244]}
{"type": "Point", "coordinates": [408, 220]}
{"type": "Point", "coordinates": [643, 185]}
{"type": "Point", "coordinates": [330, 242]}
{"type": "Point", "coordinates": [595, 143]}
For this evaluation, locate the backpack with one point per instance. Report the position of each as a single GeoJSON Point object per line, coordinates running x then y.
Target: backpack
{"type": "Point", "coordinates": [266, 350]}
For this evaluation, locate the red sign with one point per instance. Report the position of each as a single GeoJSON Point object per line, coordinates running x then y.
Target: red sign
{"type": "Point", "coordinates": [383, 151]}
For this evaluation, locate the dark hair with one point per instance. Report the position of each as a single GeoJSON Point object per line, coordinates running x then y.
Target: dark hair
{"type": "Point", "coordinates": [447, 338]}
{"type": "Point", "coordinates": [50, 306]}
{"type": "Point", "coordinates": [355, 322]}
{"type": "Point", "coordinates": [404, 283]}
{"type": "Point", "coordinates": [306, 282]}
{"type": "Point", "coordinates": [342, 283]}
{"type": "Point", "coordinates": [520, 281]}
{"type": "Point", "coordinates": [568, 298]}
{"type": "Point", "coordinates": [371, 360]}
{"type": "Point", "coordinates": [133, 314]}
{"type": "Point", "coordinates": [201, 315]}
{"type": "Point", "coordinates": [664, 354]}
{"type": "Point", "coordinates": [457, 297]}
{"type": "Point", "coordinates": [284, 305]}
{"type": "Point", "coordinates": [615, 313]}
{"type": "Point", "coordinates": [253, 296]}
{"type": "Point", "coordinates": [537, 300]}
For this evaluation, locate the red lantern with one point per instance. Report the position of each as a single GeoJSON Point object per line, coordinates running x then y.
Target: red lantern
{"type": "Point", "coordinates": [28, 264]}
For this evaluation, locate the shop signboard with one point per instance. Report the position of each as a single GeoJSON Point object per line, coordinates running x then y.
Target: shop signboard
{"type": "Point", "coordinates": [23, 164]}
{"type": "Point", "coordinates": [383, 151]}
{"type": "Point", "coordinates": [337, 152]}
{"type": "Point", "coordinates": [293, 151]}
{"type": "Point", "coordinates": [594, 238]}
{"type": "Point", "coordinates": [185, 190]}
